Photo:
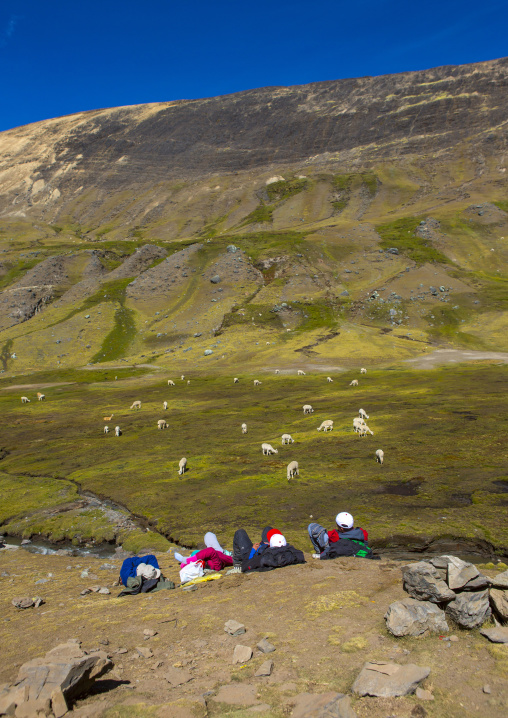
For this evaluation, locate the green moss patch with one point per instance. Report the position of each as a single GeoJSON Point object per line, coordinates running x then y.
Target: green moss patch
{"type": "Point", "coordinates": [402, 234]}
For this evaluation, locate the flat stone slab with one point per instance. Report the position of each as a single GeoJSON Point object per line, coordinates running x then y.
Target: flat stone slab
{"type": "Point", "coordinates": [177, 676]}
{"type": "Point", "coordinates": [499, 634]}
{"type": "Point", "coordinates": [400, 681]}
{"type": "Point", "coordinates": [242, 654]}
{"type": "Point", "coordinates": [237, 694]}
{"type": "Point", "coordinates": [500, 581]}
{"type": "Point", "coordinates": [460, 572]}
{"type": "Point", "coordinates": [323, 705]}
{"type": "Point", "coordinates": [265, 669]}
{"type": "Point", "coordinates": [410, 617]}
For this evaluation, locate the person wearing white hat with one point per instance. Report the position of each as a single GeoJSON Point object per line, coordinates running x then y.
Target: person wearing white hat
{"type": "Point", "coordinates": [326, 544]}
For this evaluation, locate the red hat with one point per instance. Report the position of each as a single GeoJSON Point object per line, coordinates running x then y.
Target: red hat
{"type": "Point", "coordinates": [271, 533]}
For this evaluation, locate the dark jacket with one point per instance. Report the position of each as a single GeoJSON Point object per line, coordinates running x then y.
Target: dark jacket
{"type": "Point", "coordinates": [273, 558]}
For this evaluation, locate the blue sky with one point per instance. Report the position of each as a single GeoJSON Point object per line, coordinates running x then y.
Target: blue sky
{"type": "Point", "coordinates": [59, 57]}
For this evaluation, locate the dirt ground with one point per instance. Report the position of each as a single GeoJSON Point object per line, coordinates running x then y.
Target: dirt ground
{"type": "Point", "coordinates": [325, 620]}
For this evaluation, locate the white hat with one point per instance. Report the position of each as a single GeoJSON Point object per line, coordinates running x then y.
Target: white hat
{"type": "Point", "coordinates": [147, 571]}
{"type": "Point", "coordinates": [344, 520]}
{"type": "Point", "coordinates": [277, 541]}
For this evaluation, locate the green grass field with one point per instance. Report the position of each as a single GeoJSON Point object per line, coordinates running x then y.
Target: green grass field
{"type": "Point", "coordinates": [442, 431]}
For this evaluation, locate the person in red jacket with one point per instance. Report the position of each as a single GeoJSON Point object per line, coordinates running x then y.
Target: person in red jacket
{"type": "Point", "coordinates": [322, 539]}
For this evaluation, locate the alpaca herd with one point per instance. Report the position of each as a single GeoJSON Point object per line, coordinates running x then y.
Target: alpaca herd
{"type": "Point", "coordinates": [359, 425]}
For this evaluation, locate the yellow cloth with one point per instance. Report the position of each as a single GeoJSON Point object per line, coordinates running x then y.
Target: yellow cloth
{"type": "Point", "coordinates": [212, 577]}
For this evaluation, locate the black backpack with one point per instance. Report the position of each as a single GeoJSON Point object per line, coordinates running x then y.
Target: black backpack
{"type": "Point", "coordinates": [347, 547]}
{"type": "Point", "coordinates": [274, 558]}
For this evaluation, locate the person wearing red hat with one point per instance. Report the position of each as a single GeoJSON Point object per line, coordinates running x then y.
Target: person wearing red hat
{"type": "Point", "coordinates": [272, 552]}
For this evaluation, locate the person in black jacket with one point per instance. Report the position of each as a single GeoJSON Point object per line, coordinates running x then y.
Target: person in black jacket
{"type": "Point", "coordinates": [274, 554]}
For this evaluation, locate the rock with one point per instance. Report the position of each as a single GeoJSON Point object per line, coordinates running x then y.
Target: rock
{"type": "Point", "coordinates": [401, 681]}
{"type": "Point", "coordinates": [499, 634]}
{"type": "Point", "coordinates": [231, 248]}
{"type": "Point", "coordinates": [242, 654]}
{"type": "Point", "coordinates": [215, 279]}
{"type": "Point", "coordinates": [121, 651]}
{"type": "Point", "coordinates": [34, 708]}
{"type": "Point", "coordinates": [144, 652]}
{"type": "Point", "coordinates": [424, 695]}
{"type": "Point", "coordinates": [234, 628]}
{"type": "Point", "coordinates": [177, 677]}
{"type": "Point", "coordinates": [412, 618]}
{"type": "Point", "coordinates": [149, 632]}
{"type": "Point", "coordinates": [208, 352]}
{"type": "Point", "coordinates": [470, 610]}
{"type": "Point", "coordinates": [500, 581]}
{"type": "Point", "coordinates": [24, 602]}
{"type": "Point", "coordinates": [104, 591]}
{"type": "Point", "coordinates": [85, 591]}
{"type": "Point", "coordinates": [423, 581]}
{"type": "Point", "coordinates": [345, 293]}
{"type": "Point", "coordinates": [322, 705]}
{"type": "Point", "coordinates": [499, 600]}
{"type": "Point", "coordinates": [58, 703]}
{"type": "Point", "coordinates": [265, 646]}
{"type": "Point", "coordinates": [392, 250]}
{"type": "Point", "coordinates": [454, 639]}
{"type": "Point", "coordinates": [477, 584]}
{"type": "Point", "coordinates": [63, 674]}
{"type": "Point", "coordinates": [265, 669]}
{"type": "Point", "coordinates": [237, 694]}
{"type": "Point", "coordinates": [24, 542]}
{"type": "Point", "coordinates": [42, 580]}
{"type": "Point", "coordinates": [95, 589]}
{"type": "Point", "coordinates": [487, 689]}
{"type": "Point", "coordinates": [460, 572]}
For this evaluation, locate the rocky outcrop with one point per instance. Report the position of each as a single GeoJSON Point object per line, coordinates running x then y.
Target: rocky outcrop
{"type": "Point", "coordinates": [47, 685]}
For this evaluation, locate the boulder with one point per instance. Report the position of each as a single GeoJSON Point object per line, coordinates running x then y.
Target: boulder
{"type": "Point", "coordinates": [499, 600]}
{"type": "Point", "coordinates": [322, 705]}
{"type": "Point", "coordinates": [215, 279]}
{"type": "Point", "coordinates": [470, 610]}
{"type": "Point", "coordinates": [499, 634]}
{"type": "Point", "coordinates": [65, 673]}
{"type": "Point", "coordinates": [424, 582]}
{"type": "Point", "coordinates": [501, 580]}
{"type": "Point", "coordinates": [412, 618]}
{"type": "Point", "coordinates": [388, 680]}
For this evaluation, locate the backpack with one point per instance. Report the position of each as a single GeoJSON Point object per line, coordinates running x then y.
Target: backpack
{"type": "Point", "coordinates": [347, 547]}
{"type": "Point", "coordinates": [274, 558]}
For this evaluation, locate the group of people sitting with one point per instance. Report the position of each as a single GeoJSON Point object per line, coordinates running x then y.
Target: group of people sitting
{"type": "Point", "coordinates": [273, 551]}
